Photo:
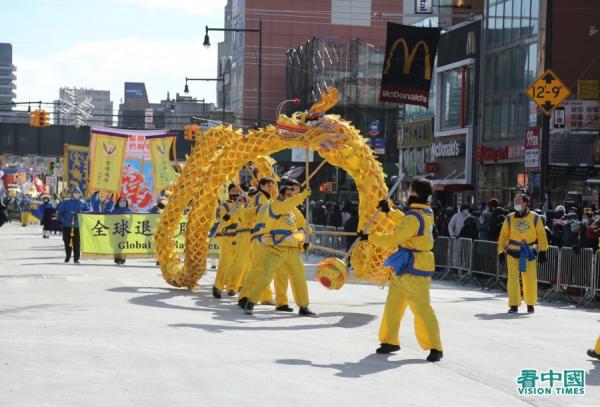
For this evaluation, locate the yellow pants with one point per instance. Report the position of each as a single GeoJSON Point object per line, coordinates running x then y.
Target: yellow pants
{"type": "Point", "coordinates": [597, 347]}
{"type": "Point", "coordinates": [529, 282]}
{"type": "Point", "coordinates": [254, 273]}
{"type": "Point", "coordinates": [283, 260]}
{"type": "Point", "coordinates": [413, 291]}
{"type": "Point", "coordinates": [241, 262]}
{"type": "Point", "coordinates": [226, 257]}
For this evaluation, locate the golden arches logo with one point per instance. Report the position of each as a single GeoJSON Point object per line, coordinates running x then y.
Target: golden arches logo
{"type": "Point", "coordinates": [409, 57]}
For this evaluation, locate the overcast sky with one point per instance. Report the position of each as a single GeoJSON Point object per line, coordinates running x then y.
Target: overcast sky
{"type": "Point", "coordinates": [101, 44]}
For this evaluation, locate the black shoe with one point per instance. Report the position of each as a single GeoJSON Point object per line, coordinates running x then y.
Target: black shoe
{"type": "Point", "coordinates": [285, 308]}
{"type": "Point", "coordinates": [231, 293]}
{"type": "Point", "coordinates": [305, 312]}
{"type": "Point", "coordinates": [513, 309]}
{"type": "Point", "coordinates": [67, 259]}
{"type": "Point", "coordinates": [248, 308]}
{"type": "Point", "coordinates": [386, 348]}
{"type": "Point", "coordinates": [530, 309]}
{"type": "Point", "coordinates": [76, 261]}
{"type": "Point", "coordinates": [592, 353]}
{"type": "Point", "coordinates": [435, 355]}
{"type": "Point", "coordinates": [216, 293]}
{"type": "Point", "coordinates": [242, 302]}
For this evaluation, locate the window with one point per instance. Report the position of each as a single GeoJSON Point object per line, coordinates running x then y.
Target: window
{"type": "Point", "coordinates": [451, 99]}
{"type": "Point", "coordinates": [504, 119]}
{"type": "Point", "coordinates": [525, 13]}
{"type": "Point", "coordinates": [491, 37]}
{"type": "Point", "coordinates": [499, 24]}
{"type": "Point", "coordinates": [508, 21]}
{"type": "Point", "coordinates": [535, 16]}
{"type": "Point", "coordinates": [516, 20]}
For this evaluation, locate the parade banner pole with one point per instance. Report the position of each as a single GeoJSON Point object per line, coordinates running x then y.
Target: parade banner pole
{"type": "Point", "coordinates": [305, 183]}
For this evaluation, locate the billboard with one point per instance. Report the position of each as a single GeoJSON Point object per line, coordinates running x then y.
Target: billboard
{"type": "Point", "coordinates": [409, 63]}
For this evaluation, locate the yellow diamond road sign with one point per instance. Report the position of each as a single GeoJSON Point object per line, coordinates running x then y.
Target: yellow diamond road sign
{"type": "Point", "coordinates": [548, 92]}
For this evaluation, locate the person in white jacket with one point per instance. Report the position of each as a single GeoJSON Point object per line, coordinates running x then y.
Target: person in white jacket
{"type": "Point", "coordinates": [458, 220]}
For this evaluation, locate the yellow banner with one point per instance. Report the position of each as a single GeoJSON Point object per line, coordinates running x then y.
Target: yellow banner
{"type": "Point", "coordinates": [164, 173]}
{"type": "Point", "coordinates": [107, 152]}
{"type": "Point", "coordinates": [130, 233]}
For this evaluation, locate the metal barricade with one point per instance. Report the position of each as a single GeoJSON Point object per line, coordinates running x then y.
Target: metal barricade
{"type": "Point", "coordinates": [547, 273]}
{"type": "Point", "coordinates": [485, 263]}
{"type": "Point", "coordinates": [460, 256]}
{"type": "Point", "coordinates": [440, 252]}
{"type": "Point", "coordinates": [576, 269]}
{"type": "Point", "coordinates": [596, 275]}
{"type": "Point", "coordinates": [329, 241]}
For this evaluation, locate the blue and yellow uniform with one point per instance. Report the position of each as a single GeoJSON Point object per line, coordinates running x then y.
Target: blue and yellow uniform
{"type": "Point", "coordinates": [413, 265]}
{"type": "Point", "coordinates": [282, 276]}
{"type": "Point", "coordinates": [257, 251]}
{"type": "Point", "coordinates": [224, 234]}
{"type": "Point", "coordinates": [282, 241]}
{"type": "Point", "coordinates": [518, 238]}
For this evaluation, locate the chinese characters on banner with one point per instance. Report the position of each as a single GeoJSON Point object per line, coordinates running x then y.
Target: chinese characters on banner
{"type": "Point", "coordinates": [76, 167]}
{"type": "Point", "coordinates": [124, 233]}
{"type": "Point", "coordinates": [107, 152]}
{"type": "Point", "coordinates": [164, 174]}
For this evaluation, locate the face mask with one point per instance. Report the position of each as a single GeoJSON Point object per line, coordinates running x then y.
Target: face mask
{"type": "Point", "coordinates": [518, 208]}
{"type": "Point", "coordinates": [76, 195]}
{"type": "Point", "coordinates": [122, 204]}
{"type": "Point", "coordinates": [234, 197]}
{"type": "Point", "coordinates": [46, 200]}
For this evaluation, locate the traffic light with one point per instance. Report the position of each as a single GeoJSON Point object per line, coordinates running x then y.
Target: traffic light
{"type": "Point", "coordinates": [327, 188]}
{"type": "Point", "coordinates": [44, 118]}
{"type": "Point", "coordinates": [191, 131]}
{"type": "Point", "coordinates": [34, 118]}
{"type": "Point", "coordinates": [51, 168]}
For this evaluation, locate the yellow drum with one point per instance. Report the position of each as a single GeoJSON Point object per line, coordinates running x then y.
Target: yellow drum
{"type": "Point", "coordinates": [332, 273]}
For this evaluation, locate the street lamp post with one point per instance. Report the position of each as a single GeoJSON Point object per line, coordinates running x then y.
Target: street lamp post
{"type": "Point", "coordinates": [254, 30]}
{"type": "Point", "coordinates": [221, 79]}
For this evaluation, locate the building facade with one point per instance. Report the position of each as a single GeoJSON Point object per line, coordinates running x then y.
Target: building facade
{"type": "Point", "coordinates": [7, 77]}
{"type": "Point", "coordinates": [286, 24]}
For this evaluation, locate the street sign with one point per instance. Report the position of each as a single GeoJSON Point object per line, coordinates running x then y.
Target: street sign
{"type": "Point", "coordinates": [548, 92]}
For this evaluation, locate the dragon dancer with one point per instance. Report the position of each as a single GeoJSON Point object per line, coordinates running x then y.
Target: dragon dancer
{"type": "Point", "coordinates": [266, 189]}
{"type": "Point", "coordinates": [413, 264]}
{"type": "Point", "coordinates": [225, 237]}
{"type": "Point", "coordinates": [282, 242]}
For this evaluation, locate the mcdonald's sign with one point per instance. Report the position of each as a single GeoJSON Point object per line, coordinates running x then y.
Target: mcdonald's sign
{"type": "Point", "coordinates": [407, 69]}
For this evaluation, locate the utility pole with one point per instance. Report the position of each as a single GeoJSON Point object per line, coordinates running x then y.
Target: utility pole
{"type": "Point", "coordinates": [546, 118]}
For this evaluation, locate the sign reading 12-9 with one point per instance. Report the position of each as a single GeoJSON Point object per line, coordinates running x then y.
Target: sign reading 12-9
{"type": "Point", "coordinates": [548, 92]}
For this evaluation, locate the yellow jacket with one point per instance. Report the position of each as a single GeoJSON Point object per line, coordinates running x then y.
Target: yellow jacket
{"type": "Point", "coordinates": [247, 214]}
{"type": "Point", "coordinates": [226, 228]}
{"type": "Point", "coordinates": [413, 235]}
{"type": "Point", "coordinates": [279, 224]}
{"type": "Point", "coordinates": [528, 228]}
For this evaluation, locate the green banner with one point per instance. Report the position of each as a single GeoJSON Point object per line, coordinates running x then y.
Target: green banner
{"type": "Point", "coordinates": [130, 233]}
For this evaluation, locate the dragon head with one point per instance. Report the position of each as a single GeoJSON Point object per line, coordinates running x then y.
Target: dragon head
{"type": "Point", "coordinates": [300, 122]}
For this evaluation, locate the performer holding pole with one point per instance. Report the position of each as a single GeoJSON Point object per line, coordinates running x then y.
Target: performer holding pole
{"type": "Point", "coordinates": [519, 233]}
{"type": "Point", "coordinates": [413, 265]}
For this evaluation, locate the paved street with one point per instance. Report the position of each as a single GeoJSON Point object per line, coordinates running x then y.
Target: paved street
{"type": "Point", "coordinates": [96, 334]}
